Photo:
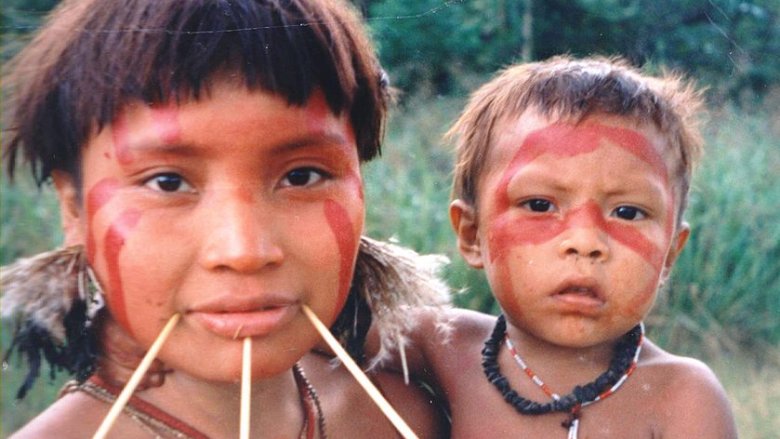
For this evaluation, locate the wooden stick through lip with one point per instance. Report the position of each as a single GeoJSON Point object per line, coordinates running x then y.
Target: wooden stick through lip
{"type": "Point", "coordinates": [246, 388]}
{"type": "Point", "coordinates": [135, 379]}
{"type": "Point", "coordinates": [388, 410]}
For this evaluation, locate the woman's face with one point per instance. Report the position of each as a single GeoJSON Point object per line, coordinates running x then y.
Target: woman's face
{"type": "Point", "coordinates": [232, 211]}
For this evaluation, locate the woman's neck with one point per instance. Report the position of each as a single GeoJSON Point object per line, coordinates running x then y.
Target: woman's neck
{"type": "Point", "coordinates": [214, 407]}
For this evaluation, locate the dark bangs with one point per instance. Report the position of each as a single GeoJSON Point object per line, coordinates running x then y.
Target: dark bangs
{"type": "Point", "coordinates": [94, 56]}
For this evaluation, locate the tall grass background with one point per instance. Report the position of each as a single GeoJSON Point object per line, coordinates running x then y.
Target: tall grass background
{"type": "Point", "coordinates": [721, 304]}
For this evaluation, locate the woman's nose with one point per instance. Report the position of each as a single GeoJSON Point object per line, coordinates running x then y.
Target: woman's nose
{"type": "Point", "coordinates": [241, 235]}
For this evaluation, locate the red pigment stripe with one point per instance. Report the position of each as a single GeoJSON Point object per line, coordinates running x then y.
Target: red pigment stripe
{"type": "Point", "coordinates": [344, 232]}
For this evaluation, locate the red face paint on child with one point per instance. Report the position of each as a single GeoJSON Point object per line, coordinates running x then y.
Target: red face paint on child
{"type": "Point", "coordinates": [590, 205]}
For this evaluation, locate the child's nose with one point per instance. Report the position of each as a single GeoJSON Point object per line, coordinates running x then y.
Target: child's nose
{"type": "Point", "coordinates": [585, 235]}
{"type": "Point", "coordinates": [584, 242]}
{"type": "Point", "coordinates": [240, 235]}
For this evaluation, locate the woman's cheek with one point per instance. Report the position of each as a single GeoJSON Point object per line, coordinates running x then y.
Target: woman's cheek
{"type": "Point", "coordinates": [114, 243]}
{"type": "Point", "coordinates": [97, 197]}
{"type": "Point", "coordinates": [347, 237]}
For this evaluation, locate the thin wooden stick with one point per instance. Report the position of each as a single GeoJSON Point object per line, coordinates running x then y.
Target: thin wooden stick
{"type": "Point", "coordinates": [246, 388]}
{"type": "Point", "coordinates": [135, 379]}
{"type": "Point", "coordinates": [361, 377]}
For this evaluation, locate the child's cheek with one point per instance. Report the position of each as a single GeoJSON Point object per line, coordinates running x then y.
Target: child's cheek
{"type": "Point", "coordinates": [637, 306]}
{"type": "Point", "coordinates": [347, 239]}
{"type": "Point", "coordinates": [114, 241]}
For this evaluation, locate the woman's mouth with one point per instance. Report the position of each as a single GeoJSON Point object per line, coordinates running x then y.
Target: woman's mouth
{"type": "Point", "coordinates": [258, 322]}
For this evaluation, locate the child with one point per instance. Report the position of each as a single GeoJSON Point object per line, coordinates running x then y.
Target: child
{"type": "Point", "coordinates": [570, 185]}
{"type": "Point", "coordinates": [206, 158]}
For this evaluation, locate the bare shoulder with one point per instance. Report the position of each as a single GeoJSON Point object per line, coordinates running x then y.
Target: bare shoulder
{"type": "Point", "coordinates": [350, 412]}
{"type": "Point", "coordinates": [73, 416]}
{"type": "Point", "coordinates": [457, 330]}
{"type": "Point", "coordinates": [690, 400]}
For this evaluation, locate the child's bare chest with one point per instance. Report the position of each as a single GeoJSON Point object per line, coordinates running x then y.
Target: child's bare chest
{"type": "Point", "coordinates": [497, 424]}
{"type": "Point", "coordinates": [479, 411]}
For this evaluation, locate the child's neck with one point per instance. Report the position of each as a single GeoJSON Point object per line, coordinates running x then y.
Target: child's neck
{"type": "Point", "coordinates": [561, 367]}
{"type": "Point", "coordinates": [214, 407]}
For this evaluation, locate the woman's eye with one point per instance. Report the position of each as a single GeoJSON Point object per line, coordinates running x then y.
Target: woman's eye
{"type": "Point", "coordinates": [169, 182]}
{"type": "Point", "coordinates": [303, 177]}
{"type": "Point", "coordinates": [538, 205]}
{"type": "Point", "coordinates": [629, 213]}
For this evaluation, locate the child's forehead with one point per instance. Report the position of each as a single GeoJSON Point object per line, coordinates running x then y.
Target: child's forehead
{"type": "Point", "coordinates": [515, 132]}
{"type": "Point", "coordinates": [532, 134]}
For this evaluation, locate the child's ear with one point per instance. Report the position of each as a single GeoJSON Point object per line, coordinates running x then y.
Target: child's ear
{"type": "Point", "coordinates": [70, 209]}
{"type": "Point", "coordinates": [464, 221]}
{"type": "Point", "coordinates": [678, 243]}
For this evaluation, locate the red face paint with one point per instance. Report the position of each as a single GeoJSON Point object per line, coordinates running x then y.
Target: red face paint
{"type": "Point", "coordinates": [97, 197]}
{"type": "Point", "coordinates": [344, 232]}
{"type": "Point", "coordinates": [567, 141]}
{"type": "Point", "coordinates": [114, 241]}
{"type": "Point", "coordinates": [506, 233]}
{"type": "Point", "coordinates": [120, 136]}
{"type": "Point", "coordinates": [166, 123]}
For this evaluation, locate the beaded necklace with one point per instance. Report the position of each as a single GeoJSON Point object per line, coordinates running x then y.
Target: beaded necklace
{"type": "Point", "coordinates": [621, 366]}
{"type": "Point", "coordinates": [160, 424]}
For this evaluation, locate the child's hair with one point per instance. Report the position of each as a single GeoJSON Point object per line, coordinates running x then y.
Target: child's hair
{"type": "Point", "coordinates": [95, 56]}
{"type": "Point", "coordinates": [567, 89]}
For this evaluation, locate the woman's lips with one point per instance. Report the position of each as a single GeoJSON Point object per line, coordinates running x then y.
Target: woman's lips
{"type": "Point", "coordinates": [249, 323]}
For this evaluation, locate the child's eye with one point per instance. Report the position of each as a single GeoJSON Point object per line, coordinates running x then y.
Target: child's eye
{"type": "Point", "coordinates": [303, 177]}
{"type": "Point", "coordinates": [538, 205]}
{"type": "Point", "coordinates": [629, 213]}
{"type": "Point", "coordinates": [169, 182]}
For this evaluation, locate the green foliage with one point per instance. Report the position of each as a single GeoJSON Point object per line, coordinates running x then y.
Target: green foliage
{"type": "Point", "coordinates": [724, 289]}
{"type": "Point", "coordinates": [429, 46]}
{"type": "Point", "coordinates": [29, 220]}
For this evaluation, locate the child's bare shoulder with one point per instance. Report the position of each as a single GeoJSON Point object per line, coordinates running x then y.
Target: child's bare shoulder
{"type": "Point", "coordinates": [75, 416]}
{"type": "Point", "coordinates": [452, 330]}
{"type": "Point", "coordinates": [687, 396]}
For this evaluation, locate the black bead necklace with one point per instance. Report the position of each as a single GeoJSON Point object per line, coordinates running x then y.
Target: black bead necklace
{"type": "Point", "coordinates": [621, 365]}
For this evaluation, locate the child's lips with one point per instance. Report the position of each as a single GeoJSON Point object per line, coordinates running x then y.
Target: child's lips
{"type": "Point", "coordinates": [249, 322]}
{"type": "Point", "coordinates": [579, 296]}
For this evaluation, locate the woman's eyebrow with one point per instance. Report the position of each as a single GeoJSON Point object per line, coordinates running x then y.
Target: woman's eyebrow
{"type": "Point", "coordinates": [330, 139]}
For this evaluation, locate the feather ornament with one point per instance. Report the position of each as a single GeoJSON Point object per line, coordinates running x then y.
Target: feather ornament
{"type": "Point", "coordinates": [41, 296]}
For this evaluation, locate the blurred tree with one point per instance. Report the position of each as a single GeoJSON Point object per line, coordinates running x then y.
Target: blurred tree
{"type": "Point", "coordinates": [729, 44]}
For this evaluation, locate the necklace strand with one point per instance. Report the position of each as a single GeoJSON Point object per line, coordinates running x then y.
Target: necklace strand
{"type": "Point", "coordinates": [159, 424]}
{"type": "Point", "coordinates": [621, 366]}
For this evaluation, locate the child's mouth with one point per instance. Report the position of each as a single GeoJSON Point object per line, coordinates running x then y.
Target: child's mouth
{"type": "Point", "coordinates": [579, 297]}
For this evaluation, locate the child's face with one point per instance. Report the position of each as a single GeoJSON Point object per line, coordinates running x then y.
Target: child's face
{"type": "Point", "coordinates": [575, 226]}
{"type": "Point", "coordinates": [233, 211]}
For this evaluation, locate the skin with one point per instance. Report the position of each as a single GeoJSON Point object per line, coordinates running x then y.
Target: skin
{"type": "Point", "coordinates": [575, 227]}
{"type": "Point", "coordinates": [199, 209]}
